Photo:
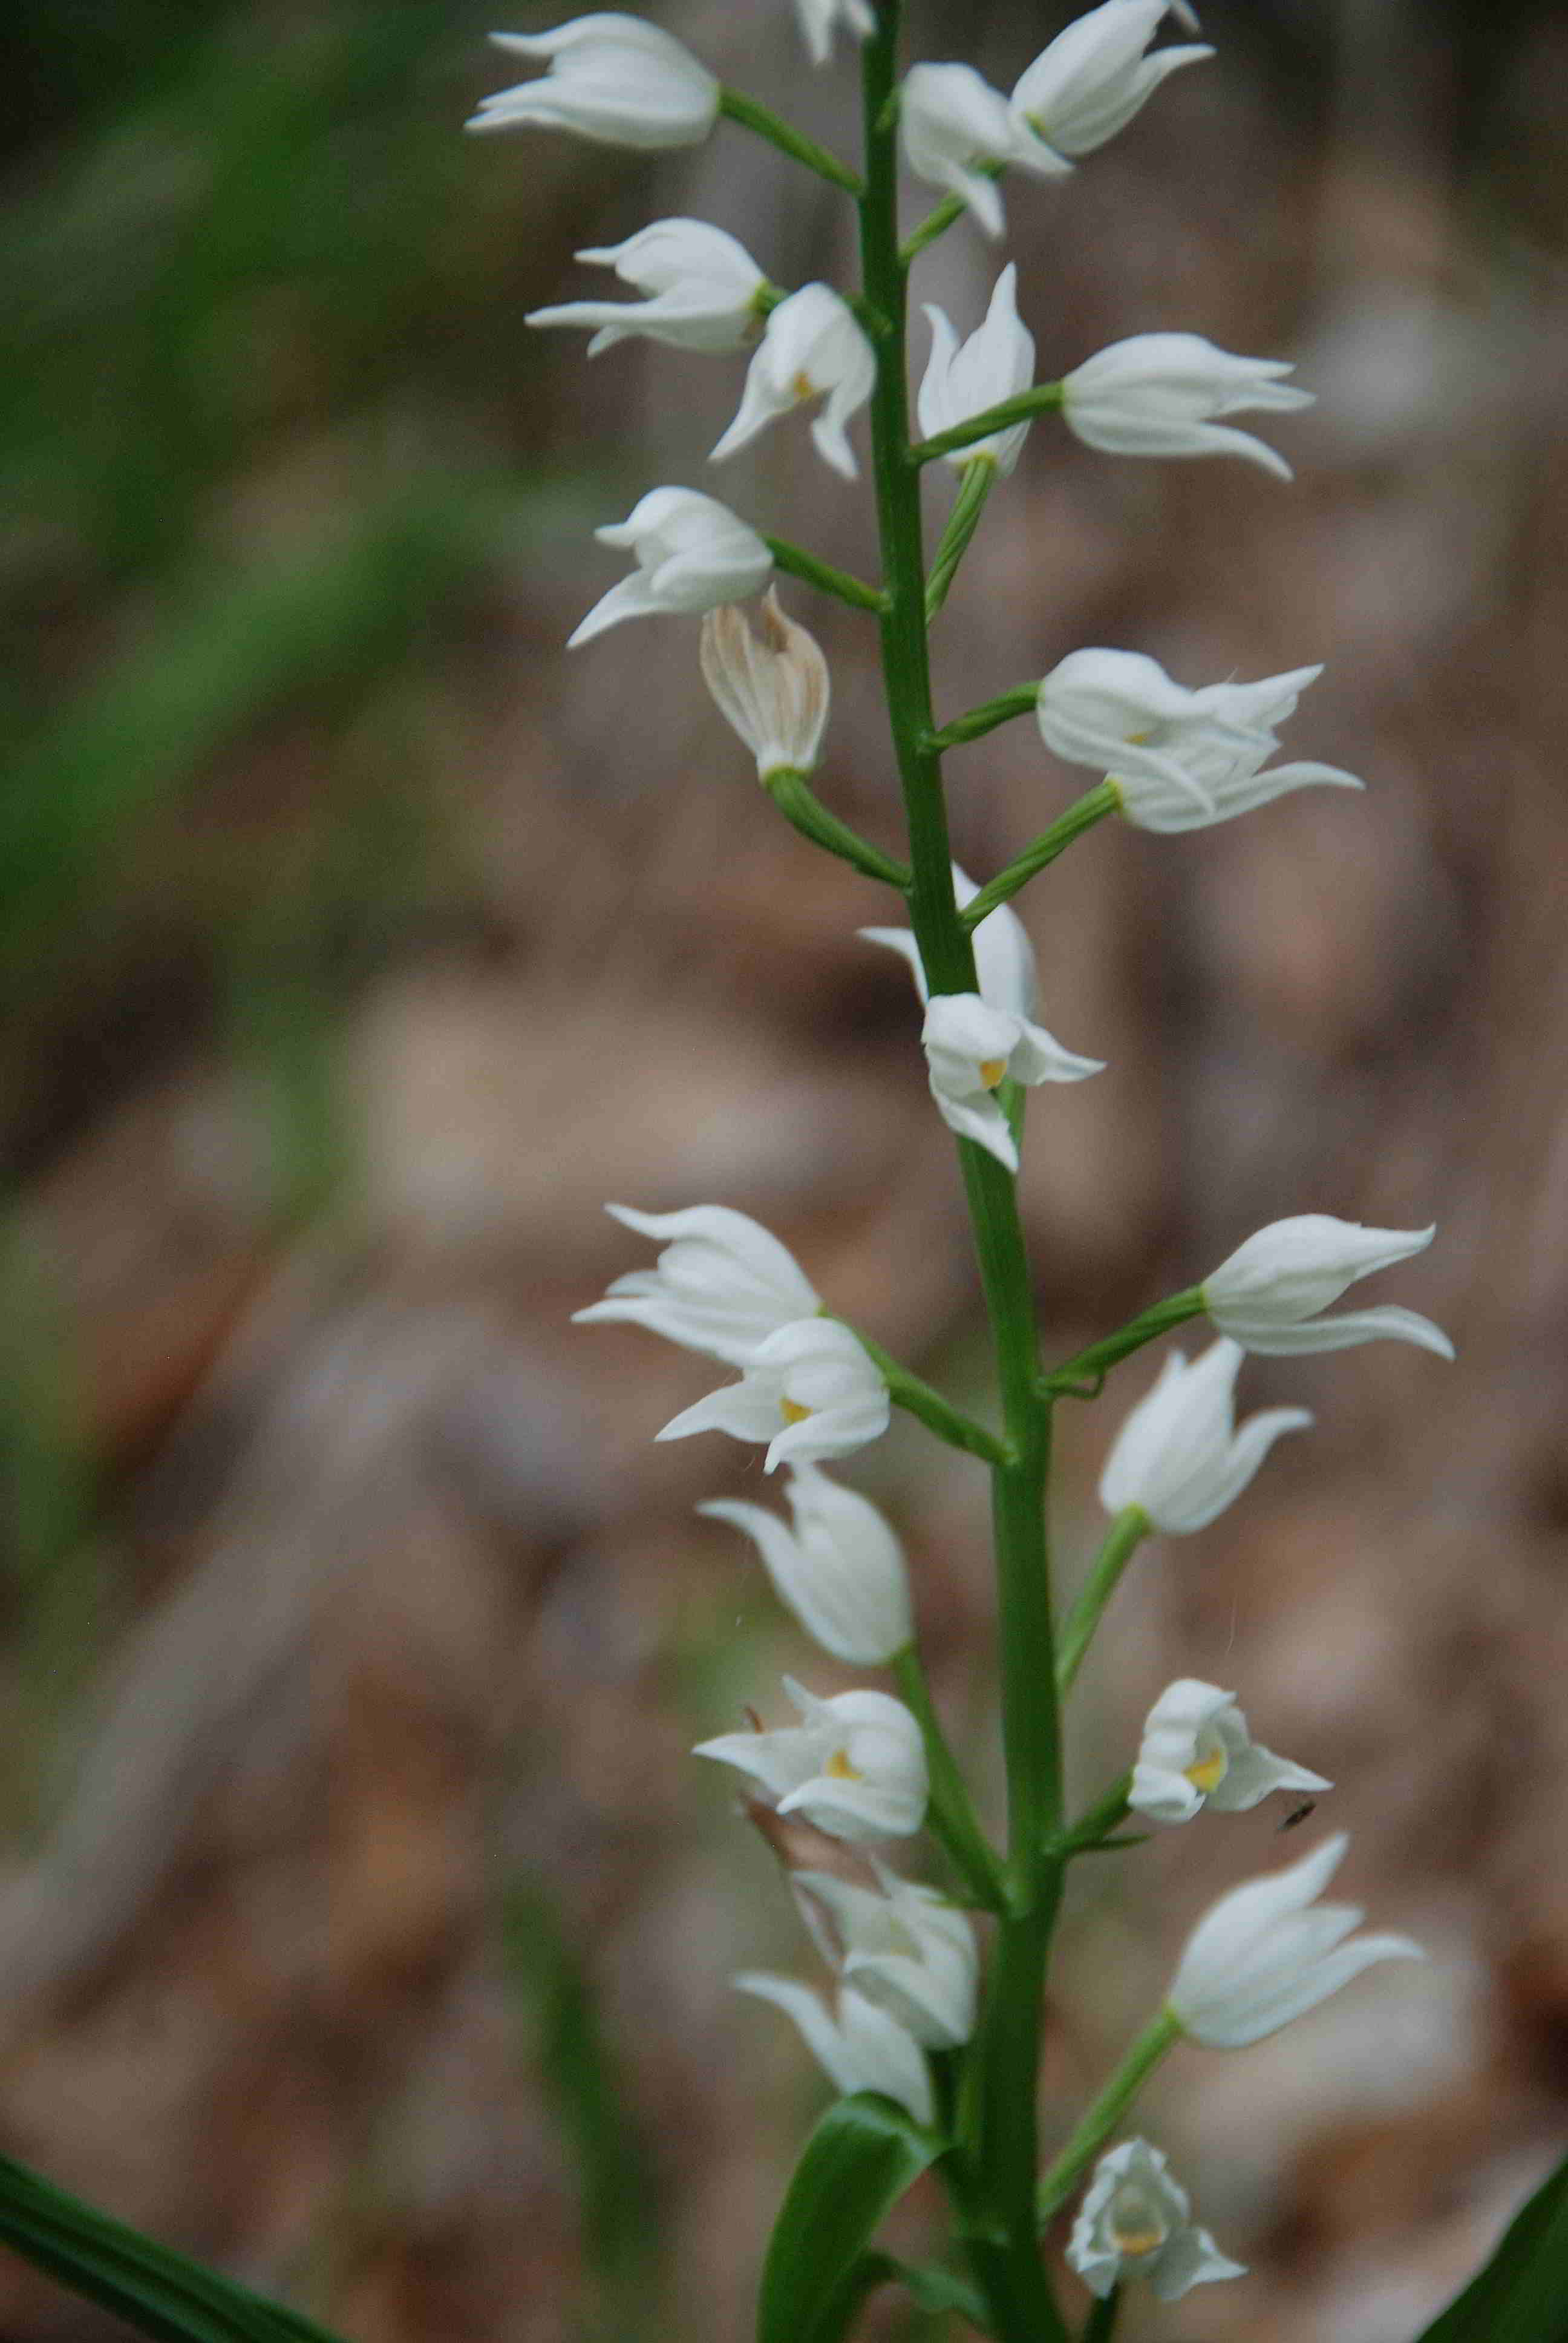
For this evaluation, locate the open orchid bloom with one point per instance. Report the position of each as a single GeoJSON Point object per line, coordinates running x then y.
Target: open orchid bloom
{"type": "Point", "coordinates": [1196, 1752]}
{"type": "Point", "coordinates": [855, 1764]}
{"type": "Point", "coordinates": [1135, 2223]}
{"type": "Point", "coordinates": [611, 77]}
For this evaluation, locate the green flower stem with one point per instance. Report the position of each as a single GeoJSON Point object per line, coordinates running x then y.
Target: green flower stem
{"type": "Point", "coordinates": [751, 116]}
{"type": "Point", "coordinates": [1091, 1367]}
{"type": "Point", "coordinates": [936, 223]}
{"type": "Point", "coordinates": [918, 1398]}
{"type": "Point", "coordinates": [1080, 816]}
{"type": "Point", "coordinates": [796, 562]}
{"type": "Point", "coordinates": [1126, 1534]}
{"type": "Point", "coordinates": [1058, 2184]}
{"type": "Point", "coordinates": [799, 805]}
{"type": "Point", "coordinates": [1101, 2324]}
{"type": "Point", "coordinates": [1043, 400]}
{"type": "Point", "coordinates": [974, 488]}
{"type": "Point", "coordinates": [1019, 702]}
{"type": "Point", "coordinates": [1001, 2236]}
{"type": "Point", "coordinates": [1097, 1822]}
{"type": "Point", "coordinates": [952, 1818]}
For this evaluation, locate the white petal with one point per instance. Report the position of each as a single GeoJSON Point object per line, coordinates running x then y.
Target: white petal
{"type": "Point", "coordinates": [1345, 1331]}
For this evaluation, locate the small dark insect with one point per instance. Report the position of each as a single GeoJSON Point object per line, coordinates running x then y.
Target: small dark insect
{"type": "Point", "coordinates": [1298, 1813]}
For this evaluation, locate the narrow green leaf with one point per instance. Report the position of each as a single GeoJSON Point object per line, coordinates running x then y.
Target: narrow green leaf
{"type": "Point", "coordinates": [858, 2163]}
{"type": "Point", "coordinates": [1521, 2294]}
{"type": "Point", "coordinates": [152, 2288]}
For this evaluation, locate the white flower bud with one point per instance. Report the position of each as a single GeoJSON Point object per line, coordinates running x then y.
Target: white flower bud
{"type": "Point", "coordinates": [702, 288]}
{"type": "Point", "coordinates": [1134, 2223]}
{"type": "Point", "coordinates": [692, 553]}
{"type": "Point", "coordinates": [722, 1283]}
{"type": "Point", "coordinates": [1159, 394]}
{"type": "Point", "coordinates": [820, 19]}
{"type": "Point", "coordinates": [1259, 1957]}
{"type": "Point", "coordinates": [1179, 1456]}
{"type": "Point", "coordinates": [1094, 76]}
{"type": "Point", "coordinates": [964, 378]}
{"type": "Point", "coordinates": [1004, 956]}
{"type": "Point", "coordinates": [812, 348]}
{"type": "Point", "coordinates": [1196, 1751]}
{"type": "Point", "coordinates": [841, 1569]}
{"type": "Point", "coordinates": [858, 2045]}
{"type": "Point", "coordinates": [855, 1765]}
{"type": "Point", "coordinates": [814, 1379]}
{"type": "Point", "coordinates": [958, 133]}
{"type": "Point", "coordinates": [971, 1049]}
{"type": "Point", "coordinates": [1265, 1295]}
{"type": "Point", "coordinates": [611, 77]}
{"type": "Point", "coordinates": [902, 1945]}
{"type": "Point", "coordinates": [771, 686]}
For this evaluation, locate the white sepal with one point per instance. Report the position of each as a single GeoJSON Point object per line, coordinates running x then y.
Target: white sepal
{"type": "Point", "coordinates": [963, 379]}
{"type": "Point", "coordinates": [692, 554]}
{"type": "Point", "coordinates": [821, 19]}
{"type": "Point", "coordinates": [701, 286]}
{"type": "Point", "coordinates": [722, 1284]}
{"type": "Point", "coordinates": [858, 2045]}
{"type": "Point", "coordinates": [1162, 393]}
{"type": "Point", "coordinates": [1260, 1956]}
{"type": "Point", "coordinates": [958, 133]}
{"type": "Point", "coordinates": [1267, 1293]}
{"type": "Point", "coordinates": [1228, 776]}
{"type": "Point", "coordinates": [840, 1568]}
{"type": "Point", "coordinates": [810, 1390]}
{"type": "Point", "coordinates": [1135, 2222]}
{"type": "Point", "coordinates": [1179, 1456]}
{"type": "Point", "coordinates": [771, 686]}
{"type": "Point", "coordinates": [855, 1765]}
{"type": "Point", "coordinates": [1196, 1751]}
{"type": "Point", "coordinates": [902, 1944]}
{"type": "Point", "coordinates": [612, 77]}
{"type": "Point", "coordinates": [1094, 76]}
{"type": "Point", "coordinates": [971, 1049]}
{"type": "Point", "coordinates": [1004, 956]}
{"type": "Point", "coordinates": [812, 348]}
{"type": "Point", "coordinates": [1121, 715]}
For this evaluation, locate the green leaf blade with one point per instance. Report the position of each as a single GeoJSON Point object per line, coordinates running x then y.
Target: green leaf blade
{"type": "Point", "coordinates": [861, 2159]}
{"type": "Point", "coordinates": [1521, 2294]}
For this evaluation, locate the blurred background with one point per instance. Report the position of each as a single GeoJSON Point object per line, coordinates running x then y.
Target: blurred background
{"type": "Point", "coordinates": [365, 1925]}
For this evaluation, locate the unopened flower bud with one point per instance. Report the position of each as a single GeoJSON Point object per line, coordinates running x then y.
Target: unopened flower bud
{"type": "Point", "coordinates": [821, 19]}
{"type": "Point", "coordinates": [1094, 76]}
{"type": "Point", "coordinates": [858, 2045]}
{"type": "Point", "coordinates": [840, 1568]}
{"type": "Point", "coordinates": [702, 287]}
{"type": "Point", "coordinates": [903, 1946]}
{"type": "Point", "coordinates": [722, 1284]}
{"type": "Point", "coordinates": [1179, 1456]}
{"type": "Point", "coordinates": [692, 554]}
{"type": "Point", "coordinates": [958, 133]}
{"type": "Point", "coordinates": [1269, 1294]}
{"type": "Point", "coordinates": [771, 686]}
{"type": "Point", "coordinates": [963, 379]}
{"type": "Point", "coordinates": [612, 77]}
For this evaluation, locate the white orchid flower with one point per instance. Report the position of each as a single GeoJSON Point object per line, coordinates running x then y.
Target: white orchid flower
{"type": "Point", "coordinates": [1120, 714]}
{"type": "Point", "coordinates": [612, 77]}
{"type": "Point", "coordinates": [1179, 1457]}
{"type": "Point", "coordinates": [840, 1567]}
{"type": "Point", "coordinates": [1223, 780]}
{"type": "Point", "coordinates": [901, 1945]}
{"type": "Point", "coordinates": [971, 1049]}
{"type": "Point", "coordinates": [1266, 1295]}
{"type": "Point", "coordinates": [722, 1284]}
{"type": "Point", "coordinates": [692, 553]}
{"type": "Point", "coordinates": [858, 2045]}
{"type": "Point", "coordinates": [771, 686]}
{"type": "Point", "coordinates": [1196, 1751]}
{"type": "Point", "coordinates": [855, 1765]}
{"type": "Point", "coordinates": [812, 348]}
{"type": "Point", "coordinates": [958, 133]}
{"type": "Point", "coordinates": [1162, 394]}
{"type": "Point", "coordinates": [1135, 2223]}
{"type": "Point", "coordinates": [1260, 1957]}
{"type": "Point", "coordinates": [810, 1390]}
{"type": "Point", "coordinates": [821, 19]}
{"type": "Point", "coordinates": [1094, 76]}
{"type": "Point", "coordinates": [701, 286]}
{"type": "Point", "coordinates": [963, 379]}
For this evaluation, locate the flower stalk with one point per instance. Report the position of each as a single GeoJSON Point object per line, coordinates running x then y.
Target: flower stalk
{"type": "Point", "coordinates": [751, 114]}
{"type": "Point", "coordinates": [1099, 2120]}
{"type": "Point", "coordinates": [1126, 1535]}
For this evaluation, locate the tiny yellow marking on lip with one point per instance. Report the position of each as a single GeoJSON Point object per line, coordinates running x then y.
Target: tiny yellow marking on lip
{"type": "Point", "coordinates": [841, 1770]}
{"type": "Point", "coordinates": [792, 1412]}
{"type": "Point", "coordinates": [991, 1071]}
{"type": "Point", "coordinates": [1209, 1771]}
{"type": "Point", "coordinates": [1138, 2241]}
{"type": "Point", "coordinates": [803, 386]}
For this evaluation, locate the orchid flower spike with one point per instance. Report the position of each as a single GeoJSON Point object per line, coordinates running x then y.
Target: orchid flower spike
{"type": "Point", "coordinates": [721, 1285]}
{"type": "Point", "coordinates": [771, 686]}
{"type": "Point", "coordinates": [901, 1945]}
{"type": "Point", "coordinates": [858, 2045]}
{"type": "Point", "coordinates": [855, 1765]}
{"type": "Point", "coordinates": [810, 1390]}
{"type": "Point", "coordinates": [1094, 76]}
{"type": "Point", "coordinates": [611, 77]}
{"type": "Point", "coordinates": [840, 1567]}
{"type": "Point", "coordinates": [1260, 1957]}
{"type": "Point", "coordinates": [1196, 1752]}
{"type": "Point", "coordinates": [1135, 2222]}
{"type": "Point", "coordinates": [812, 348]}
{"type": "Point", "coordinates": [959, 134]}
{"type": "Point", "coordinates": [963, 379]}
{"type": "Point", "coordinates": [1160, 395]}
{"type": "Point", "coordinates": [1267, 1293]}
{"type": "Point", "coordinates": [1177, 1456]}
{"type": "Point", "coordinates": [821, 19]}
{"type": "Point", "coordinates": [972, 1049]}
{"type": "Point", "coordinates": [692, 554]}
{"type": "Point", "coordinates": [701, 288]}
{"type": "Point", "coordinates": [1004, 956]}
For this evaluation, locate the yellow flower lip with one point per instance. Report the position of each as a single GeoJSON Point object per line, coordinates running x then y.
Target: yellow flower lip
{"type": "Point", "coordinates": [1138, 2241]}
{"type": "Point", "coordinates": [839, 1768]}
{"type": "Point", "coordinates": [991, 1071]}
{"type": "Point", "coordinates": [1207, 1772]}
{"type": "Point", "coordinates": [792, 1412]}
